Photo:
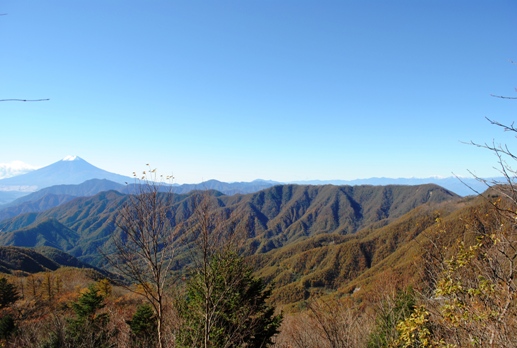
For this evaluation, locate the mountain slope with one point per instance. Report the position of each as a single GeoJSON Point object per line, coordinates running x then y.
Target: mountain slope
{"type": "Point", "coordinates": [327, 262]}
{"type": "Point", "coordinates": [9, 196]}
{"type": "Point", "coordinates": [53, 196]}
{"type": "Point", "coordinates": [361, 264]}
{"type": "Point", "coordinates": [41, 204]}
{"type": "Point", "coordinates": [47, 233]}
{"type": "Point", "coordinates": [87, 188]}
{"type": "Point", "coordinates": [35, 260]}
{"type": "Point", "coordinates": [270, 219]}
{"type": "Point", "coordinates": [286, 213]}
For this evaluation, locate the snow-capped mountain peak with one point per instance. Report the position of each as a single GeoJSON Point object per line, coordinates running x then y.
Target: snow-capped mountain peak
{"type": "Point", "coordinates": [70, 158]}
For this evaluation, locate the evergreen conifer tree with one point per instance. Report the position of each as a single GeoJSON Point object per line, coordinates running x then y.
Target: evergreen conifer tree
{"type": "Point", "coordinates": [232, 311]}
{"type": "Point", "coordinates": [89, 328]}
{"type": "Point", "coordinates": [8, 293]}
{"type": "Point", "coordinates": [143, 326]}
{"type": "Point", "coordinates": [7, 327]}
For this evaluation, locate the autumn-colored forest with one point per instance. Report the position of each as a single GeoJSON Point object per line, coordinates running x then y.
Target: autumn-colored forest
{"type": "Point", "coordinates": [448, 283]}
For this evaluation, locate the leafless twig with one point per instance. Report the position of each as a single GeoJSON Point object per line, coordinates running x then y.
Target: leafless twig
{"type": "Point", "coordinates": [23, 100]}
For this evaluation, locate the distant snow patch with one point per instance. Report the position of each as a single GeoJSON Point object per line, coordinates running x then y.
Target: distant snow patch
{"type": "Point", "coordinates": [14, 168]}
{"type": "Point", "coordinates": [70, 158]}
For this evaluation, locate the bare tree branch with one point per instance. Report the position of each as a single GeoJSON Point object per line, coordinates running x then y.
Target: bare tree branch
{"type": "Point", "coordinates": [502, 96]}
{"type": "Point", "coordinates": [23, 100]}
{"type": "Point", "coordinates": [144, 250]}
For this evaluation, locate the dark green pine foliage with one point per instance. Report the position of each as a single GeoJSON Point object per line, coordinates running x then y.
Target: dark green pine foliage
{"type": "Point", "coordinates": [7, 327]}
{"type": "Point", "coordinates": [143, 326]}
{"type": "Point", "coordinates": [88, 304]}
{"type": "Point", "coordinates": [225, 306]}
{"type": "Point", "coordinates": [89, 328]}
{"type": "Point", "coordinates": [8, 293]}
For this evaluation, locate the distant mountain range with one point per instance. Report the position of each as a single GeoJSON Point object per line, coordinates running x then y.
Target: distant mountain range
{"type": "Point", "coordinates": [73, 170]}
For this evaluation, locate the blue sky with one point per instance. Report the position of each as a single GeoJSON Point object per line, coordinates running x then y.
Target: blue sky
{"type": "Point", "coordinates": [240, 90]}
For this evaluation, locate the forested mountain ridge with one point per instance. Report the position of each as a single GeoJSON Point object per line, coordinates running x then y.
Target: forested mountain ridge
{"type": "Point", "coordinates": [33, 260]}
{"type": "Point", "coordinates": [286, 213]}
{"type": "Point", "coordinates": [270, 218]}
{"type": "Point", "coordinates": [330, 262]}
{"type": "Point", "coordinates": [38, 204]}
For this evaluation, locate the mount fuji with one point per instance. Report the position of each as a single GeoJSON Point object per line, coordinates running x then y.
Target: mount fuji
{"type": "Point", "coordinates": [71, 170]}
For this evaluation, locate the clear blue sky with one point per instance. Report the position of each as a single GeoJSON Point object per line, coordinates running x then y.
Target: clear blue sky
{"type": "Point", "coordinates": [271, 89]}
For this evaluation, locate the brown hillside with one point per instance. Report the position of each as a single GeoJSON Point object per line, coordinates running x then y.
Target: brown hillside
{"type": "Point", "coordinates": [326, 263]}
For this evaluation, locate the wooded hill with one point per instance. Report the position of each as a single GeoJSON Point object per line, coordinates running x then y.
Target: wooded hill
{"type": "Point", "coordinates": [354, 263]}
{"type": "Point", "coordinates": [19, 260]}
{"type": "Point", "coordinates": [306, 239]}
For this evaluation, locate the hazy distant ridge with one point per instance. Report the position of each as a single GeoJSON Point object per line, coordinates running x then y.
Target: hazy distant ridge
{"type": "Point", "coordinates": [460, 186]}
